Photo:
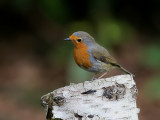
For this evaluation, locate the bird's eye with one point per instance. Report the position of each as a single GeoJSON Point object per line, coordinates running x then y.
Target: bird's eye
{"type": "Point", "coordinates": [79, 40]}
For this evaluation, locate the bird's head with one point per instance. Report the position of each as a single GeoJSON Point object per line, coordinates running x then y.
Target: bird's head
{"type": "Point", "coordinates": [81, 39]}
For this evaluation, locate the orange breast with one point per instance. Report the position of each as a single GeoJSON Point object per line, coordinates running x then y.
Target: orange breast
{"type": "Point", "coordinates": [81, 57]}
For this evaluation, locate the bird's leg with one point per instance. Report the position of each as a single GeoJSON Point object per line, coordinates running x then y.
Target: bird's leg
{"type": "Point", "coordinates": [94, 77]}
{"type": "Point", "coordinates": [102, 75]}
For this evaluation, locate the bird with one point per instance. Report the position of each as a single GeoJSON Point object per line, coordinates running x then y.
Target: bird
{"type": "Point", "coordinates": [91, 56]}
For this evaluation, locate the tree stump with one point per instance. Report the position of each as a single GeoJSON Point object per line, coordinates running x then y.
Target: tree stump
{"type": "Point", "coordinates": [102, 99]}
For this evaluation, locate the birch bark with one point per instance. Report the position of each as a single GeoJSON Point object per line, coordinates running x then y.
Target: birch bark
{"type": "Point", "coordinates": [102, 99]}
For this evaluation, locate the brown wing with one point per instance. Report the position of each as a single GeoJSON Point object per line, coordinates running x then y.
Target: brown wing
{"type": "Point", "coordinates": [101, 54]}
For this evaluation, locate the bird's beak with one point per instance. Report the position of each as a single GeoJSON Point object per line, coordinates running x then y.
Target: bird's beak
{"type": "Point", "coordinates": [67, 39]}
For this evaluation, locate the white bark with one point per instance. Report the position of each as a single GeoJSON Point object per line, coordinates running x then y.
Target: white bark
{"type": "Point", "coordinates": [102, 99]}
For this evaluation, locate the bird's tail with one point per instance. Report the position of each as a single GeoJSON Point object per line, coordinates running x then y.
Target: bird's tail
{"type": "Point", "coordinates": [124, 70]}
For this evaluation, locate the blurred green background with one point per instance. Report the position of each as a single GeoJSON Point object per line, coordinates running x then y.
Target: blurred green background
{"type": "Point", "coordinates": [36, 60]}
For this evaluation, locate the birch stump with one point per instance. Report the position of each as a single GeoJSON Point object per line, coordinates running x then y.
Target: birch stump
{"type": "Point", "coordinates": [102, 99]}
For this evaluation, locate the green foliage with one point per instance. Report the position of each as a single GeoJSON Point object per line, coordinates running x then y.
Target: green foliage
{"type": "Point", "coordinates": [151, 56]}
{"type": "Point", "coordinates": [56, 9]}
{"type": "Point", "coordinates": [81, 26]}
{"type": "Point", "coordinates": [22, 5]}
{"type": "Point", "coordinates": [112, 32]}
{"type": "Point", "coordinates": [59, 55]}
{"type": "Point", "coordinates": [152, 88]}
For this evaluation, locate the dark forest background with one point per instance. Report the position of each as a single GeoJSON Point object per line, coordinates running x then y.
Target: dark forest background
{"type": "Point", "coordinates": [35, 60]}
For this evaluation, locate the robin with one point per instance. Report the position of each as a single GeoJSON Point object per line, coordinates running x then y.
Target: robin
{"type": "Point", "coordinates": [92, 57]}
